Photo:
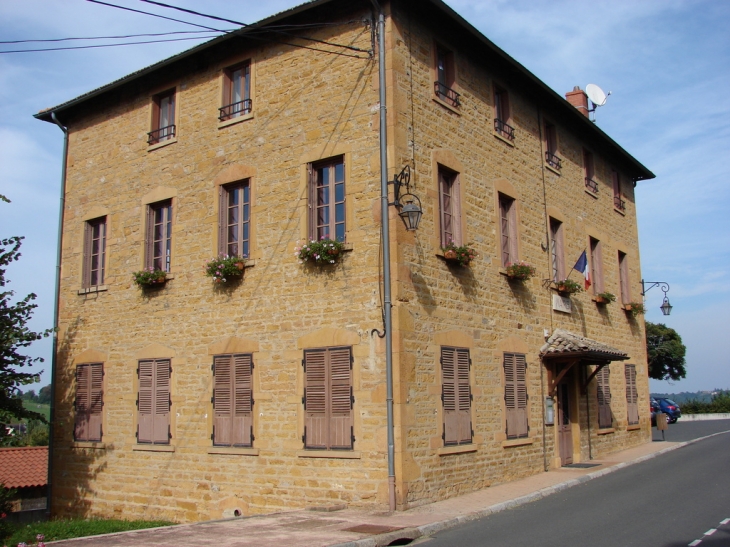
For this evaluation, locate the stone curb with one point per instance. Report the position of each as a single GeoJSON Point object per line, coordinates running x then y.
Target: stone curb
{"type": "Point", "coordinates": [383, 540]}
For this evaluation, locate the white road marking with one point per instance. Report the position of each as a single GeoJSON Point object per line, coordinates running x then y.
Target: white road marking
{"type": "Point", "coordinates": [724, 522]}
{"type": "Point", "coordinates": [710, 531]}
{"type": "Point", "coordinates": [695, 543]}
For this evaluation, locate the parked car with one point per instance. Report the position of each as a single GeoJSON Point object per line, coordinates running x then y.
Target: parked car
{"type": "Point", "coordinates": [654, 408]}
{"type": "Point", "coordinates": [670, 408]}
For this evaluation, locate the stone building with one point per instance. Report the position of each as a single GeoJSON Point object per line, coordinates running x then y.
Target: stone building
{"type": "Point", "coordinates": [191, 399]}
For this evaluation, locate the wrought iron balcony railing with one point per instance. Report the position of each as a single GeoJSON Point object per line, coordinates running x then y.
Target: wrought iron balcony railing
{"type": "Point", "coordinates": [234, 110]}
{"type": "Point", "coordinates": [592, 185]}
{"type": "Point", "coordinates": [553, 161]}
{"type": "Point", "coordinates": [619, 203]}
{"type": "Point", "coordinates": [447, 94]}
{"type": "Point", "coordinates": [161, 134]}
{"type": "Point", "coordinates": [504, 129]}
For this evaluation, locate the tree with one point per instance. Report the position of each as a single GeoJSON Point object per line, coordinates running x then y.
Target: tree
{"type": "Point", "coordinates": [665, 351]}
{"type": "Point", "coordinates": [14, 335]}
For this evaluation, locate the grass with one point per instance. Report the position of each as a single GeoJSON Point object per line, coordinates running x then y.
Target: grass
{"type": "Point", "coordinates": [40, 409]}
{"type": "Point", "coordinates": [54, 530]}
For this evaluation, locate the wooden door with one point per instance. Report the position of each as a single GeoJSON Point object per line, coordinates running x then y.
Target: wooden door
{"type": "Point", "coordinates": [565, 431]}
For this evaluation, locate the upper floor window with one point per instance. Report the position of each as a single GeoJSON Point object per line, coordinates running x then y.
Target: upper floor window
{"type": "Point", "coordinates": [596, 266]}
{"type": "Point", "coordinates": [232, 400]}
{"type": "Point", "coordinates": [159, 236]}
{"type": "Point", "coordinates": [502, 114]}
{"type": "Point", "coordinates": [449, 207]}
{"type": "Point", "coordinates": [456, 395]}
{"type": "Point", "coordinates": [89, 402]}
{"type": "Point", "coordinates": [623, 276]}
{"type": "Point", "coordinates": [235, 219]}
{"type": "Point", "coordinates": [551, 146]}
{"type": "Point", "coordinates": [557, 257]}
{"type": "Point", "coordinates": [508, 229]}
{"type": "Point", "coordinates": [327, 200]}
{"type": "Point", "coordinates": [236, 92]}
{"type": "Point", "coordinates": [618, 201]}
{"type": "Point", "coordinates": [94, 252]}
{"type": "Point", "coordinates": [589, 171]}
{"type": "Point", "coordinates": [446, 77]}
{"type": "Point", "coordinates": [163, 117]}
{"type": "Point", "coordinates": [328, 399]}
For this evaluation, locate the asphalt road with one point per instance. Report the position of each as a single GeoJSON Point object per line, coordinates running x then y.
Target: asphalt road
{"type": "Point", "coordinates": [669, 501]}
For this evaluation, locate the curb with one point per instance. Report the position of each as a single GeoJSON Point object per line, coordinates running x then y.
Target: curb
{"type": "Point", "coordinates": [383, 540]}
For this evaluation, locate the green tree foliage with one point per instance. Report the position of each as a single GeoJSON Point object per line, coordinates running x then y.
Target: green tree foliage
{"type": "Point", "coordinates": [15, 335]}
{"type": "Point", "coordinates": [720, 403]}
{"type": "Point", "coordinates": [665, 352]}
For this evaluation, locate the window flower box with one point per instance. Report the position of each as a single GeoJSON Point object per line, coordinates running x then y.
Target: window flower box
{"type": "Point", "coordinates": [568, 286]}
{"type": "Point", "coordinates": [150, 277]}
{"type": "Point", "coordinates": [635, 308]}
{"type": "Point", "coordinates": [225, 268]}
{"type": "Point", "coordinates": [324, 251]}
{"type": "Point", "coordinates": [519, 271]}
{"type": "Point", "coordinates": [605, 298]}
{"type": "Point", "coordinates": [463, 254]}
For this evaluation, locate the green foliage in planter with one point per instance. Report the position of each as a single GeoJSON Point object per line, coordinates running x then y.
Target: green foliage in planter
{"type": "Point", "coordinates": [607, 297]}
{"type": "Point", "coordinates": [636, 308]}
{"type": "Point", "coordinates": [520, 270]}
{"type": "Point", "coordinates": [149, 276]}
{"type": "Point", "coordinates": [568, 286]}
{"type": "Point", "coordinates": [463, 254]}
{"type": "Point", "coordinates": [224, 268]}
{"type": "Point", "coordinates": [324, 251]}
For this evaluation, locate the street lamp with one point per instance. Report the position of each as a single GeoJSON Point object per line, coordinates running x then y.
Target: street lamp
{"type": "Point", "coordinates": [666, 307]}
{"type": "Point", "coordinates": [409, 211]}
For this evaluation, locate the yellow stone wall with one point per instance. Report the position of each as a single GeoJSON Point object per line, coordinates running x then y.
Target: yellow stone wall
{"type": "Point", "coordinates": [308, 106]}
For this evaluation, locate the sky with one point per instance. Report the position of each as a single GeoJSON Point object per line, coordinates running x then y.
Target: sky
{"type": "Point", "coordinates": [666, 63]}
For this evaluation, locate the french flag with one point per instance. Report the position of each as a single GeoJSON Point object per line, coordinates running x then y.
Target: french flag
{"type": "Point", "coordinates": [583, 267]}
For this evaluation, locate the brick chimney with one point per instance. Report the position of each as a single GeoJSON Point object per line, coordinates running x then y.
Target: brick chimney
{"type": "Point", "coordinates": [578, 99]}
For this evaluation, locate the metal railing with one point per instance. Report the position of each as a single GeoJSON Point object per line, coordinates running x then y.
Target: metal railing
{"type": "Point", "coordinates": [446, 94]}
{"type": "Point", "coordinates": [592, 185]}
{"type": "Point", "coordinates": [619, 203]}
{"type": "Point", "coordinates": [234, 110]}
{"type": "Point", "coordinates": [504, 129]}
{"type": "Point", "coordinates": [553, 161]}
{"type": "Point", "coordinates": [161, 134]}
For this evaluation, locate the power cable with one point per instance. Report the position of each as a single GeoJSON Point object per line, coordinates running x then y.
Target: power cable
{"type": "Point", "coordinates": [154, 15]}
{"type": "Point", "coordinates": [104, 37]}
{"type": "Point", "coordinates": [106, 45]}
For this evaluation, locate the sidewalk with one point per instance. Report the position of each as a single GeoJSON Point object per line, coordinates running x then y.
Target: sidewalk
{"type": "Point", "coordinates": [358, 528]}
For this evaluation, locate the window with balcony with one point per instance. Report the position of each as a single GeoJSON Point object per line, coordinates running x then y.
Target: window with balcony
{"type": "Point", "coordinates": [163, 118]}
{"type": "Point", "coordinates": [502, 114]}
{"type": "Point", "coordinates": [236, 92]}
{"type": "Point", "coordinates": [589, 172]}
{"type": "Point", "coordinates": [551, 146]}
{"type": "Point", "coordinates": [618, 201]}
{"type": "Point", "coordinates": [446, 77]}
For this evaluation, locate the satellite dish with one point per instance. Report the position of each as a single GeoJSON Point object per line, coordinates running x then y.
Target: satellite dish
{"type": "Point", "coordinates": [596, 95]}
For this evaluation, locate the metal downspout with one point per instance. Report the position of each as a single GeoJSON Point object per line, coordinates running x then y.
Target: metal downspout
{"type": "Point", "coordinates": [57, 297]}
{"type": "Point", "coordinates": [386, 256]}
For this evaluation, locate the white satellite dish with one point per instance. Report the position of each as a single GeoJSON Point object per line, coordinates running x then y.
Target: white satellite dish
{"type": "Point", "coordinates": [596, 95]}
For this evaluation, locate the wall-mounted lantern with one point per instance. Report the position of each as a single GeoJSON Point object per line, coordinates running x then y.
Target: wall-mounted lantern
{"type": "Point", "coordinates": [666, 307]}
{"type": "Point", "coordinates": [409, 211]}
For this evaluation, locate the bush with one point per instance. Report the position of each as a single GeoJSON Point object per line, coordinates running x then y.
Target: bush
{"type": "Point", "coordinates": [720, 403]}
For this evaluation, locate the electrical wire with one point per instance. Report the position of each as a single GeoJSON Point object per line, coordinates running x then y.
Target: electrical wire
{"type": "Point", "coordinates": [105, 45]}
{"type": "Point", "coordinates": [154, 15]}
{"type": "Point", "coordinates": [103, 37]}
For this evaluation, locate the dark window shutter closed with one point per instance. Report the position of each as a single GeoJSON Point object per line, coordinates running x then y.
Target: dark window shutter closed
{"type": "Point", "coordinates": [145, 405]}
{"type": "Point", "coordinates": [153, 401]}
{"type": "Point", "coordinates": [632, 406]}
{"type": "Point", "coordinates": [243, 397]}
{"type": "Point", "coordinates": [340, 434]}
{"type": "Point", "coordinates": [456, 395]}
{"type": "Point", "coordinates": [315, 396]}
{"type": "Point", "coordinates": [604, 398]}
{"type": "Point", "coordinates": [81, 425]}
{"type": "Point", "coordinates": [515, 394]}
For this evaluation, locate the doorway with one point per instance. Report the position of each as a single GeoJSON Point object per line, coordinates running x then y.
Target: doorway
{"type": "Point", "coordinates": [565, 429]}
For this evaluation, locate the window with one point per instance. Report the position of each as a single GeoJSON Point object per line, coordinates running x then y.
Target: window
{"type": "Point", "coordinates": [515, 394]}
{"type": "Point", "coordinates": [234, 223]}
{"type": "Point", "coordinates": [632, 397]}
{"type": "Point", "coordinates": [94, 252]}
{"type": "Point", "coordinates": [236, 92]}
{"type": "Point", "coordinates": [508, 229]}
{"type": "Point", "coordinates": [551, 146]}
{"type": "Point", "coordinates": [232, 400]}
{"type": "Point", "coordinates": [163, 117]}
{"type": "Point", "coordinates": [159, 236]}
{"type": "Point", "coordinates": [604, 398]}
{"type": "Point", "coordinates": [623, 275]}
{"type": "Point", "coordinates": [456, 395]}
{"type": "Point", "coordinates": [327, 200]}
{"type": "Point", "coordinates": [328, 399]}
{"type": "Point", "coordinates": [618, 201]}
{"type": "Point", "coordinates": [446, 77]}
{"type": "Point", "coordinates": [589, 171]}
{"type": "Point", "coordinates": [502, 114]}
{"type": "Point", "coordinates": [449, 207]}
{"type": "Point", "coordinates": [153, 401]}
{"type": "Point", "coordinates": [557, 257]}
{"type": "Point", "coordinates": [89, 402]}
{"type": "Point", "coordinates": [596, 266]}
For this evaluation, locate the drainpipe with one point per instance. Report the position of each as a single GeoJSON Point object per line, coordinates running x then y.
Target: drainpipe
{"type": "Point", "coordinates": [386, 255]}
{"type": "Point", "coordinates": [62, 206]}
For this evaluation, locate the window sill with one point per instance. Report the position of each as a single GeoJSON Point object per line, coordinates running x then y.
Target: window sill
{"type": "Point", "coordinates": [162, 144]}
{"type": "Point", "coordinates": [89, 444]}
{"type": "Point", "coordinates": [234, 451]}
{"type": "Point", "coordinates": [591, 193]}
{"type": "Point", "coordinates": [551, 168]}
{"type": "Point", "coordinates": [333, 454]}
{"type": "Point", "coordinates": [633, 427]}
{"type": "Point", "coordinates": [446, 105]}
{"type": "Point", "coordinates": [620, 212]}
{"type": "Point", "coordinates": [234, 121]}
{"type": "Point", "coordinates": [509, 443]}
{"type": "Point", "coordinates": [153, 448]}
{"type": "Point", "coordinates": [90, 290]}
{"type": "Point", "coordinates": [457, 449]}
{"type": "Point", "coordinates": [600, 302]}
{"type": "Point", "coordinates": [606, 431]}
{"type": "Point", "coordinates": [504, 139]}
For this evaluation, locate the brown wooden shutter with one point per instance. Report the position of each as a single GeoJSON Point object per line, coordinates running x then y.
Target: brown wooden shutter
{"type": "Point", "coordinates": [222, 400]}
{"type": "Point", "coordinates": [81, 425]}
{"type": "Point", "coordinates": [604, 398]}
{"type": "Point", "coordinates": [315, 398]}
{"type": "Point", "coordinates": [145, 405]}
{"type": "Point", "coordinates": [162, 402]}
{"type": "Point", "coordinates": [243, 400]}
{"type": "Point", "coordinates": [149, 238]}
{"type": "Point", "coordinates": [96, 398]}
{"type": "Point", "coordinates": [340, 388]}
{"type": "Point", "coordinates": [448, 396]}
{"type": "Point", "coordinates": [515, 394]}
{"type": "Point", "coordinates": [155, 125]}
{"type": "Point", "coordinates": [463, 393]}
{"type": "Point", "coordinates": [632, 406]}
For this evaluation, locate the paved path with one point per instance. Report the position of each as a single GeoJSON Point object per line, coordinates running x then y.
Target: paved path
{"type": "Point", "coordinates": [358, 528]}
